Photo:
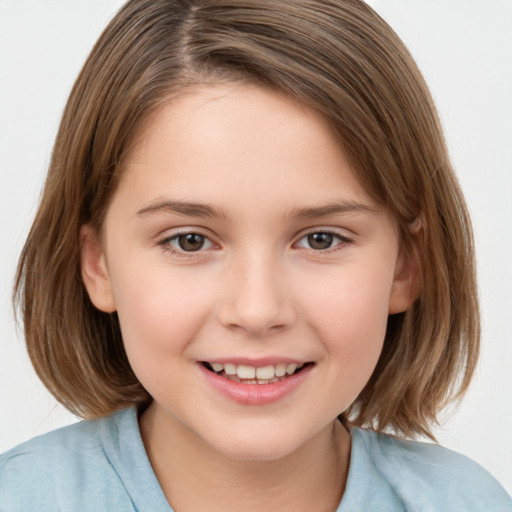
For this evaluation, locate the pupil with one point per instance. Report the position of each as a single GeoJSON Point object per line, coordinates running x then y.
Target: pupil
{"type": "Point", "coordinates": [191, 242]}
{"type": "Point", "coordinates": [320, 240]}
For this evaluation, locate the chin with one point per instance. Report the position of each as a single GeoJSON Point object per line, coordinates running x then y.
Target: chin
{"type": "Point", "coordinates": [256, 445]}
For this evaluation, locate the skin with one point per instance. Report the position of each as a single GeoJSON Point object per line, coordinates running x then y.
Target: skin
{"type": "Point", "coordinates": [271, 174]}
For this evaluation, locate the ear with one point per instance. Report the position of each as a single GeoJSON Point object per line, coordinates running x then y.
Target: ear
{"type": "Point", "coordinates": [94, 270]}
{"type": "Point", "coordinates": [406, 286]}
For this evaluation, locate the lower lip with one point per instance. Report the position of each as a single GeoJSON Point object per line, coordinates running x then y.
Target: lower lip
{"type": "Point", "coordinates": [255, 394]}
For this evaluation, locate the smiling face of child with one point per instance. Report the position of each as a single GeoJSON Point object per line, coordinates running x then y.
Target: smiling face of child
{"type": "Point", "coordinates": [240, 246]}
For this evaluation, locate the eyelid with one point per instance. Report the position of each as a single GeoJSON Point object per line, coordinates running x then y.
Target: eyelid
{"type": "Point", "coordinates": [165, 240]}
{"type": "Point", "coordinates": [173, 234]}
{"type": "Point", "coordinates": [343, 239]}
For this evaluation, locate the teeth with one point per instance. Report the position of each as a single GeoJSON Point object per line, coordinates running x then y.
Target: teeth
{"type": "Point", "coordinates": [245, 372]}
{"type": "Point", "coordinates": [230, 369]}
{"type": "Point", "coordinates": [280, 370]}
{"type": "Point", "coordinates": [253, 375]}
{"type": "Point", "coordinates": [217, 367]}
{"type": "Point", "coordinates": [265, 372]}
{"type": "Point", "coordinates": [290, 368]}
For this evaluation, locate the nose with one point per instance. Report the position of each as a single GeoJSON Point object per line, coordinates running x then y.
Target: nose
{"type": "Point", "coordinates": [256, 298]}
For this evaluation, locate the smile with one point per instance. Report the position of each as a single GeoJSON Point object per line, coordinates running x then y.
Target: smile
{"type": "Point", "coordinates": [246, 374]}
{"type": "Point", "coordinates": [255, 385]}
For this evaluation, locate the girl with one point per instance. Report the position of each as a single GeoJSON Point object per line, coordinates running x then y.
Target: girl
{"type": "Point", "coordinates": [250, 245]}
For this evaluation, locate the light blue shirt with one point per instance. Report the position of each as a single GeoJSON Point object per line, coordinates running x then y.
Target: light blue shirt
{"type": "Point", "coordinates": [101, 465]}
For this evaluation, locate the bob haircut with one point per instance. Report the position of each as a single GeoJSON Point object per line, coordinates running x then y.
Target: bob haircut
{"type": "Point", "coordinates": [339, 58]}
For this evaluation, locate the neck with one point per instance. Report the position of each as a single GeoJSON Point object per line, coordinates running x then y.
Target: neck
{"type": "Point", "coordinates": [193, 476]}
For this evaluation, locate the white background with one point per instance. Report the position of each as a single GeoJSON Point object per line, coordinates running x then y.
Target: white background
{"type": "Point", "coordinates": [464, 48]}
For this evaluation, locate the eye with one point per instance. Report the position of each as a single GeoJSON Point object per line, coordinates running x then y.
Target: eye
{"type": "Point", "coordinates": [321, 241]}
{"type": "Point", "coordinates": [187, 242]}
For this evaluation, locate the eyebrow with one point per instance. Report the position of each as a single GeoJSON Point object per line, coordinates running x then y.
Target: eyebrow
{"type": "Point", "coordinates": [189, 208]}
{"type": "Point", "coordinates": [194, 209]}
{"type": "Point", "coordinates": [331, 209]}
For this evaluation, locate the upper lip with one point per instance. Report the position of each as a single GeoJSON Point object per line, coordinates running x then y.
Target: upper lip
{"type": "Point", "coordinates": [256, 362]}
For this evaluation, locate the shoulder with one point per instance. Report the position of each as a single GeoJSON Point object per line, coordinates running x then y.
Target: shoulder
{"type": "Point", "coordinates": [54, 450]}
{"type": "Point", "coordinates": [61, 467]}
{"type": "Point", "coordinates": [428, 477]}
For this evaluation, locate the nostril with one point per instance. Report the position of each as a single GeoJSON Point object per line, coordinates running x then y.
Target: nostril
{"type": "Point", "coordinates": [277, 327]}
{"type": "Point", "coordinates": [256, 313]}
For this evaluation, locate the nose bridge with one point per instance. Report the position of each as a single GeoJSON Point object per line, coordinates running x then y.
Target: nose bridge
{"type": "Point", "coordinates": [256, 300]}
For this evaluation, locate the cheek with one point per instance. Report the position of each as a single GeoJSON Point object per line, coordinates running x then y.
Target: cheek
{"type": "Point", "coordinates": [351, 320]}
{"type": "Point", "coordinates": [159, 315]}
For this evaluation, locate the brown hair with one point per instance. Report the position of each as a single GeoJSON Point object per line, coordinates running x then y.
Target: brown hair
{"type": "Point", "coordinates": [340, 58]}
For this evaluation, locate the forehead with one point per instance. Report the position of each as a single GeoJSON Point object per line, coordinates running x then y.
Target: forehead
{"type": "Point", "coordinates": [238, 144]}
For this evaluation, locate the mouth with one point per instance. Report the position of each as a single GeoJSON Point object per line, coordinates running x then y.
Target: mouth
{"type": "Point", "coordinates": [245, 374]}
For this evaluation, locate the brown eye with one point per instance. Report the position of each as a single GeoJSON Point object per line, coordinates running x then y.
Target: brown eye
{"type": "Point", "coordinates": [320, 241]}
{"type": "Point", "coordinates": [183, 243]}
{"type": "Point", "coordinates": [191, 242]}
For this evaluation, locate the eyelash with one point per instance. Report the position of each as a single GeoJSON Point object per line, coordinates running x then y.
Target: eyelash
{"type": "Point", "coordinates": [341, 241]}
{"type": "Point", "coordinates": [165, 242]}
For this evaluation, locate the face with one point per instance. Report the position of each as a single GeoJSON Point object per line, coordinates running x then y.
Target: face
{"type": "Point", "coordinates": [252, 274]}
